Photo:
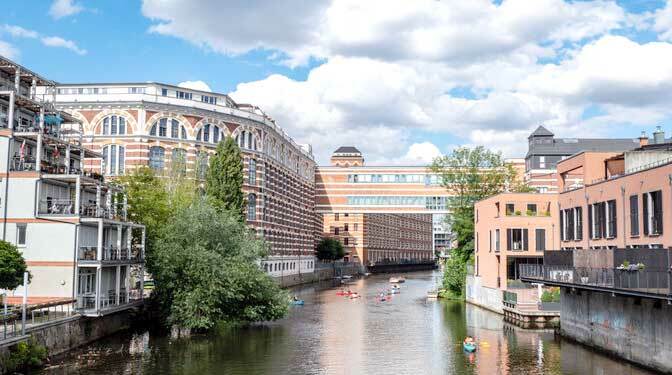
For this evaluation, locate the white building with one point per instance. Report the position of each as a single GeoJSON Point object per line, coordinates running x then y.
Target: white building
{"type": "Point", "coordinates": [69, 224]}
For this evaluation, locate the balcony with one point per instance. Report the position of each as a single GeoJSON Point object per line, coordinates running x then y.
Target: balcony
{"type": "Point", "coordinates": [66, 207]}
{"type": "Point", "coordinates": [110, 254]}
{"type": "Point", "coordinates": [635, 272]}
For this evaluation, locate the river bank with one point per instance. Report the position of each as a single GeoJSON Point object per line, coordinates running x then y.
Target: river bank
{"type": "Point", "coordinates": [333, 334]}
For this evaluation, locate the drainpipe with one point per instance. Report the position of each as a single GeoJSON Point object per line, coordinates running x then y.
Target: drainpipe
{"type": "Point", "coordinates": [625, 238]}
{"type": "Point", "coordinates": [10, 125]}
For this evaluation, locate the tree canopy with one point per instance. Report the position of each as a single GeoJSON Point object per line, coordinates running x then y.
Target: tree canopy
{"type": "Point", "coordinates": [207, 270]}
{"type": "Point", "coordinates": [224, 179]}
{"type": "Point", "coordinates": [470, 175]}
{"type": "Point", "coordinates": [12, 266]}
{"type": "Point", "coordinates": [330, 249]}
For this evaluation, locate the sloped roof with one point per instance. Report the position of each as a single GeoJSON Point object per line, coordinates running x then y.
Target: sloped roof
{"type": "Point", "coordinates": [541, 131]}
{"type": "Point", "coordinates": [347, 150]}
{"type": "Point", "coordinates": [571, 146]}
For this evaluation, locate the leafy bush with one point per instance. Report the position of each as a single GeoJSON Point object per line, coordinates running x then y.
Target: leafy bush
{"type": "Point", "coordinates": [24, 356]}
{"type": "Point", "coordinates": [551, 295]}
{"type": "Point", "coordinates": [454, 277]}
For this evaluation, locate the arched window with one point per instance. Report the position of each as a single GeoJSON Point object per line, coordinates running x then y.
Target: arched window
{"type": "Point", "coordinates": [252, 172]}
{"type": "Point", "coordinates": [246, 140]}
{"type": "Point", "coordinates": [209, 133]}
{"type": "Point", "coordinates": [178, 160]}
{"type": "Point", "coordinates": [251, 207]}
{"type": "Point", "coordinates": [156, 158]}
{"type": "Point", "coordinates": [160, 129]}
{"type": "Point", "coordinates": [113, 160]}
{"type": "Point", "coordinates": [113, 125]}
{"type": "Point", "coordinates": [202, 165]}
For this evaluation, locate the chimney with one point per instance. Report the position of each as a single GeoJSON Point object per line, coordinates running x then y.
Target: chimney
{"type": "Point", "coordinates": [643, 139]}
{"type": "Point", "coordinates": [659, 135]}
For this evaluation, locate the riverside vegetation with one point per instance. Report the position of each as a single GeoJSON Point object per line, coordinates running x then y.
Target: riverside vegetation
{"type": "Point", "coordinates": [204, 260]}
{"type": "Point", "coordinates": [470, 175]}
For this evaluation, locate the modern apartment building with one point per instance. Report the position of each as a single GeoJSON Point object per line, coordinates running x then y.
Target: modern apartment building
{"type": "Point", "coordinates": [174, 130]}
{"type": "Point", "coordinates": [625, 204]}
{"type": "Point", "coordinates": [512, 229]}
{"type": "Point", "coordinates": [545, 151]}
{"type": "Point", "coordinates": [70, 225]}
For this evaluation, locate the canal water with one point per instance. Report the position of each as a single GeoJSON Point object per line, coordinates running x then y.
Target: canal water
{"type": "Point", "coordinates": [331, 334]}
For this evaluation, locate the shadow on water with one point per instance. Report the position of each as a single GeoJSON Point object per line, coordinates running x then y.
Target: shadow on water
{"type": "Point", "coordinates": [405, 334]}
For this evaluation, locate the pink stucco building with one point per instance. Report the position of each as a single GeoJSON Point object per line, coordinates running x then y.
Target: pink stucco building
{"type": "Point", "coordinates": [512, 229]}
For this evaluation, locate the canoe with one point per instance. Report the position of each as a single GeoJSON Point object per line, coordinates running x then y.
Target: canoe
{"type": "Point", "coordinates": [469, 347]}
{"type": "Point", "coordinates": [297, 303]}
{"type": "Point", "coordinates": [394, 280]}
{"type": "Point", "coordinates": [432, 295]}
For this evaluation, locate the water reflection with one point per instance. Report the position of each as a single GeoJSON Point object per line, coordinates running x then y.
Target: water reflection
{"type": "Point", "coordinates": [335, 335]}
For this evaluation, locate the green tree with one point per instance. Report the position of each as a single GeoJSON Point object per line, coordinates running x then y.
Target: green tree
{"type": "Point", "coordinates": [224, 179]}
{"type": "Point", "coordinates": [470, 175]}
{"type": "Point", "coordinates": [148, 204]}
{"type": "Point", "coordinates": [330, 249]}
{"type": "Point", "coordinates": [207, 270]}
{"type": "Point", "coordinates": [12, 266]}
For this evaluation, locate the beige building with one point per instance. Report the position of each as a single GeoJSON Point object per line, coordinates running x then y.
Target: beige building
{"type": "Point", "coordinates": [512, 229]}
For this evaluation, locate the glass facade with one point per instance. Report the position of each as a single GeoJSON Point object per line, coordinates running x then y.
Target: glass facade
{"type": "Point", "coordinates": [395, 178]}
{"type": "Point", "coordinates": [430, 203]}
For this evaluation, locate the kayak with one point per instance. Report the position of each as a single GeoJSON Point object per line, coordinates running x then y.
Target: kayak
{"type": "Point", "coordinates": [298, 302]}
{"type": "Point", "coordinates": [469, 347]}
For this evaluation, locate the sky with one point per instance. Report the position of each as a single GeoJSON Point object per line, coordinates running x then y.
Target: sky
{"type": "Point", "coordinates": [403, 81]}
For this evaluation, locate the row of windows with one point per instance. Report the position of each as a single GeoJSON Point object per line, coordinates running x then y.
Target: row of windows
{"type": "Point", "coordinates": [285, 266]}
{"type": "Point", "coordinates": [602, 218]}
{"type": "Point", "coordinates": [395, 178]}
{"type": "Point", "coordinates": [430, 203]}
{"type": "Point", "coordinates": [96, 90]}
{"type": "Point", "coordinates": [160, 129]}
{"type": "Point", "coordinates": [517, 239]}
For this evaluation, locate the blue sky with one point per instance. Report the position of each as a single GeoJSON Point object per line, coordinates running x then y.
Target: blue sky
{"type": "Point", "coordinates": [403, 81]}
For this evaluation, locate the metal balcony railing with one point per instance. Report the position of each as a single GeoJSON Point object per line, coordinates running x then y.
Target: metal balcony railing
{"type": "Point", "coordinates": [631, 280]}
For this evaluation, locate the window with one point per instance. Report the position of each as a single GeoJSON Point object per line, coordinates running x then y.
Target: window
{"type": "Point", "coordinates": [652, 212]}
{"type": "Point", "coordinates": [251, 207]}
{"type": "Point", "coordinates": [202, 164]}
{"type": "Point", "coordinates": [516, 239]}
{"type": "Point", "coordinates": [183, 95]}
{"type": "Point", "coordinates": [252, 173]}
{"type": "Point", "coordinates": [611, 219]}
{"type": "Point", "coordinates": [209, 99]}
{"type": "Point", "coordinates": [355, 227]}
{"type": "Point", "coordinates": [336, 217]}
{"type": "Point", "coordinates": [161, 126]}
{"type": "Point", "coordinates": [345, 227]}
{"type": "Point", "coordinates": [113, 160]}
{"type": "Point", "coordinates": [634, 215]}
{"type": "Point", "coordinates": [532, 209]}
{"type": "Point", "coordinates": [21, 234]}
{"type": "Point", "coordinates": [178, 161]}
{"type": "Point", "coordinates": [336, 231]}
{"type": "Point", "coordinates": [598, 220]}
{"type": "Point", "coordinates": [540, 239]}
{"type": "Point", "coordinates": [510, 208]}
{"type": "Point", "coordinates": [246, 140]}
{"type": "Point", "coordinates": [345, 241]}
{"type": "Point", "coordinates": [136, 90]}
{"type": "Point", "coordinates": [87, 281]}
{"type": "Point", "coordinates": [164, 92]}
{"type": "Point", "coordinates": [156, 158]}
{"type": "Point", "coordinates": [113, 125]}
{"type": "Point", "coordinates": [578, 227]}
{"type": "Point", "coordinates": [542, 162]}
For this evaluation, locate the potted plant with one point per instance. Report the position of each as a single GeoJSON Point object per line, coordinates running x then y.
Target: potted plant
{"type": "Point", "coordinates": [624, 266]}
{"type": "Point", "coordinates": [530, 213]}
{"type": "Point", "coordinates": [517, 213]}
{"type": "Point", "coordinates": [640, 266]}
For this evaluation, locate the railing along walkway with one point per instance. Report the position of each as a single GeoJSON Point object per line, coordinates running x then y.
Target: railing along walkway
{"type": "Point", "coordinates": [12, 321]}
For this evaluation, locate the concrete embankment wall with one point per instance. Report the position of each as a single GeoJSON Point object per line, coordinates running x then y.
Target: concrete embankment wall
{"type": "Point", "coordinates": [64, 335]}
{"type": "Point", "coordinates": [321, 273]}
{"type": "Point", "coordinates": [482, 296]}
{"type": "Point", "coordinates": [636, 329]}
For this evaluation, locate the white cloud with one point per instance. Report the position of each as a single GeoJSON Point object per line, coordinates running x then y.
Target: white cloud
{"type": "Point", "coordinates": [56, 41]}
{"type": "Point", "coordinates": [8, 50]}
{"type": "Point", "coordinates": [64, 8]}
{"type": "Point", "coordinates": [49, 41]}
{"type": "Point", "coordinates": [195, 85]}
{"type": "Point", "coordinates": [422, 153]}
{"type": "Point", "coordinates": [388, 68]}
{"type": "Point", "coordinates": [20, 32]}
{"type": "Point", "coordinates": [391, 30]}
